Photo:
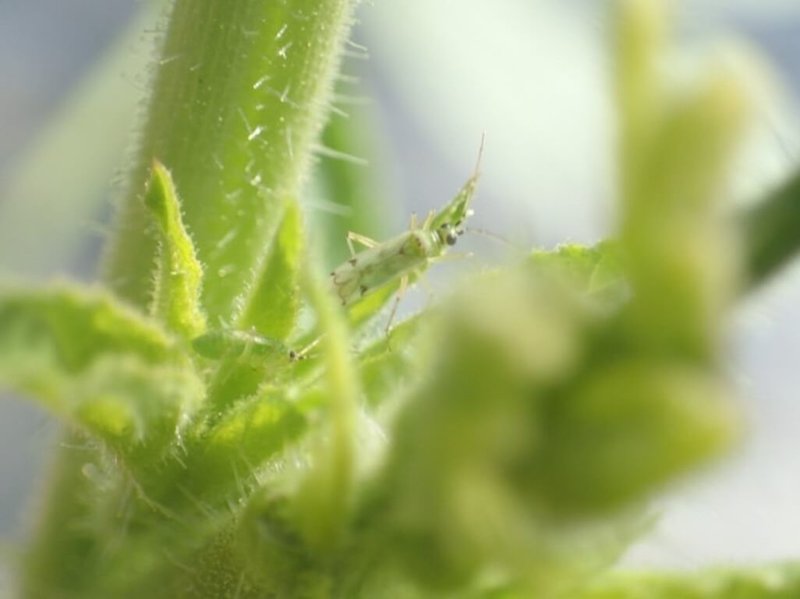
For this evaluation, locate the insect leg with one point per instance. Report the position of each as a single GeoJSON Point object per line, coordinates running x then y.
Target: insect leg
{"type": "Point", "coordinates": [362, 239]}
{"type": "Point", "coordinates": [400, 292]}
{"type": "Point", "coordinates": [426, 225]}
{"type": "Point", "coordinates": [296, 356]}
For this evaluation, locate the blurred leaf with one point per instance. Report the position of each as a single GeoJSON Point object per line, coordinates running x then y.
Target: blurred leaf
{"type": "Point", "coordinates": [276, 554]}
{"type": "Point", "coordinates": [771, 231]}
{"type": "Point", "coordinates": [675, 152]}
{"type": "Point", "coordinates": [273, 304]}
{"type": "Point", "coordinates": [596, 270]}
{"type": "Point", "coordinates": [624, 431]}
{"type": "Point", "coordinates": [452, 501]}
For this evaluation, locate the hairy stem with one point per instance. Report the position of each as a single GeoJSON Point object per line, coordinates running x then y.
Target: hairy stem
{"type": "Point", "coordinates": [240, 95]}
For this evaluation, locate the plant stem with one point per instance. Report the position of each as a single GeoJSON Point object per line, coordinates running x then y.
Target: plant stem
{"type": "Point", "coordinates": [240, 95]}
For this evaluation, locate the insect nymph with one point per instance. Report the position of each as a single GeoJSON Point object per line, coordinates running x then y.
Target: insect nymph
{"type": "Point", "coordinates": [407, 254]}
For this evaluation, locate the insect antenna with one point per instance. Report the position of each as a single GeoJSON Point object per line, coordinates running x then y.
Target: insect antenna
{"type": "Point", "coordinates": [493, 236]}
{"type": "Point", "coordinates": [476, 170]}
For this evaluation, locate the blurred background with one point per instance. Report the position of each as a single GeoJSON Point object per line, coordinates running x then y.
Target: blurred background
{"type": "Point", "coordinates": [433, 75]}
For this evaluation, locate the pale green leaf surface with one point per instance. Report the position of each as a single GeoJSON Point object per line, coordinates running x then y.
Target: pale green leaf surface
{"type": "Point", "coordinates": [75, 326]}
{"type": "Point", "coordinates": [251, 432]}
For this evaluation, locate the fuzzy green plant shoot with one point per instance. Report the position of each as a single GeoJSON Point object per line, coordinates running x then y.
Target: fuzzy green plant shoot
{"type": "Point", "coordinates": [503, 443]}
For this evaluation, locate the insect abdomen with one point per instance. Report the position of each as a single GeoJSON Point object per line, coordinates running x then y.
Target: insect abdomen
{"type": "Point", "coordinates": [374, 267]}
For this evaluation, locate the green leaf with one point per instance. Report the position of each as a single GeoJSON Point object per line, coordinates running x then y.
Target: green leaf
{"type": "Point", "coordinates": [273, 304]}
{"type": "Point", "coordinates": [242, 441]}
{"type": "Point", "coordinates": [596, 270]}
{"type": "Point", "coordinates": [631, 426]}
{"type": "Point", "coordinates": [534, 419]}
{"type": "Point", "coordinates": [179, 280]}
{"type": "Point", "coordinates": [471, 417]}
{"type": "Point", "coordinates": [72, 326]}
{"type": "Point", "coordinates": [90, 359]}
{"type": "Point", "coordinates": [770, 230]}
{"type": "Point", "coordinates": [243, 361]}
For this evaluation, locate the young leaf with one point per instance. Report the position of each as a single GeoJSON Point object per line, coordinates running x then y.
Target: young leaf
{"type": "Point", "coordinates": [243, 362]}
{"type": "Point", "coordinates": [254, 430]}
{"type": "Point", "coordinates": [595, 270]}
{"type": "Point", "coordinates": [90, 359]}
{"type": "Point", "coordinates": [179, 280]}
{"type": "Point", "coordinates": [273, 303]}
{"type": "Point", "coordinates": [387, 365]}
{"type": "Point", "coordinates": [770, 231]}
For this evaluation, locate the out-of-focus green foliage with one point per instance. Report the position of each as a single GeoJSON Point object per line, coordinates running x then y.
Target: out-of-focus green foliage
{"type": "Point", "coordinates": [770, 232]}
{"type": "Point", "coordinates": [774, 582]}
{"type": "Point", "coordinates": [250, 437]}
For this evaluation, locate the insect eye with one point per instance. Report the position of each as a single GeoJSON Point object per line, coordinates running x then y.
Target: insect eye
{"type": "Point", "coordinates": [451, 238]}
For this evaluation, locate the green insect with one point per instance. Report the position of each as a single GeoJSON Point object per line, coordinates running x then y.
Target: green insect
{"type": "Point", "coordinates": [406, 255]}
